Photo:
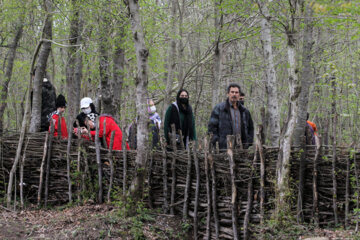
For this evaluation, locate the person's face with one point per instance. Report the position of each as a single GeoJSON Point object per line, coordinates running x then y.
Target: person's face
{"type": "Point", "coordinates": [61, 109]}
{"type": "Point", "coordinates": [151, 103]}
{"type": "Point", "coordinates": [234, 94]}
{"type": "Point", "coordinates": [184, 94]}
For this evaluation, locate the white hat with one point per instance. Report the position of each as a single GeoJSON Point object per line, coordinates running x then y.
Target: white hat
{"type": "Point", "coordinates": [85, 102]}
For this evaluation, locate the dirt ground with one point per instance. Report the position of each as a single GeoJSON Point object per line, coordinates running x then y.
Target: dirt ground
{"type": "Point", "coordinates": [106, 222]}
{"type": "Point", "coordinates": [88, 222]}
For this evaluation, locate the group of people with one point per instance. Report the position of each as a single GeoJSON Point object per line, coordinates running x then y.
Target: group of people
{"type": "Point", "coordinates": [227, 118]}
{"type": "Point", "coordinates": [84, 126]}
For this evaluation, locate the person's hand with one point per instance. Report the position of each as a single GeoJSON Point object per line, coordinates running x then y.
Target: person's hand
{"type": "Point", "coordinates": [84, 130]}
{"type": "Point", "coordinates": [75, 131]}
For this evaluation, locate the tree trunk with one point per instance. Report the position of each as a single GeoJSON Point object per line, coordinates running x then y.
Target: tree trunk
{"type": "Point", "coordinates": [218, 22]}
{"type": "Point", "coordinates": [118, 69]}
{"type": "Point", "coordinates": [41, 70]}
{"type": "Point", "coordinates": [141, 81]}
{"type": "Point", "coordinates": [74, 65]}
{"type": "Point", "coordinates": [9, 69]}
{"type": "Point", "coordinates": [305, 78]}
{"type": "Point", "coordinates": [171, 61]}
{"type": "Point", "coordinates": [104, 62]}
{"type": "Point", "coordinates": [283, 163]}
{"type": "Point", "coordinates": [273, 115]}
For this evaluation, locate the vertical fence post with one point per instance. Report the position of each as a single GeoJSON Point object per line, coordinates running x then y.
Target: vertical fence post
{"type": "Point", "coordinates": [173, 169]}
{"type": "Point", "coordinates": [188, 182]}
{"type": "Point", "coordinates": [208, 193]}
{"type": "Point", "coordinates": [164, 175]}
{"type": "Point", "coordinates": [110, 156]}
{"type": "Point", "coordinates": [68, 166]}
{"type": "Point", "coordinates": [98, 161]}
{"type": "Point", "coordinates": [230, 144]}
{"type": "Point", "coordinates": [197, 191]}
{"type": "Point", "coordinates": [51, 137]}
{"type": "Point", "coordinates": [42, 169]}
{"type": "Point", "coordinates": [214, 194]}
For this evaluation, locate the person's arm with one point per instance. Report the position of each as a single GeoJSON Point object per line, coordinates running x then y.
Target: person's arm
{"type": "Point", "coordinates": [213, 125]}
{"type": "Point", "coordinates": [166, 123]}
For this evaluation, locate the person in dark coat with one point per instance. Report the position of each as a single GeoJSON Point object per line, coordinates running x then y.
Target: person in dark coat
{"type": "Point", "coordinates": [231, 118]}
{"type": "Point", "coordinates": [180, 113]}
{"type": "Point", "coordinates": [48, 105]}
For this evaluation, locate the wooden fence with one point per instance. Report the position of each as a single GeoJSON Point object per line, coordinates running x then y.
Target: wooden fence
{"type": "Point", "coordinates": [224, 194]}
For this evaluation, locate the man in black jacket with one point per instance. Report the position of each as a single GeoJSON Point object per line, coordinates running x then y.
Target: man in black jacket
{"type": "Point", "coordinates": [231, 118]}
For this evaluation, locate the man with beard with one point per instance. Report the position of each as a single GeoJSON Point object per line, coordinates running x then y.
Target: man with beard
{"type": "Point", "coordinates": [231, 118]}
{"type": "Point", "coordinates": [180, 114]}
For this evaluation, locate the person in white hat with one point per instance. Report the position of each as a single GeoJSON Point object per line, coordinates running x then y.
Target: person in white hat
{"type": "Point", "coordinates": [87, 106]}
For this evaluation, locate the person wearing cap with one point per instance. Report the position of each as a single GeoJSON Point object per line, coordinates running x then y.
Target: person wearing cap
{"type": "Point", "coordinates": [54, 116]}
{"type": "Point", "coordinates": [87, 106]}
{"type": "Point", "coordinates": [181, 115]}
{"type": "Point", "coordinates": [110, 127]}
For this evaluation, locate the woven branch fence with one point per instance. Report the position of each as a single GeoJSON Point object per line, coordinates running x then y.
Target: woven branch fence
{"type": "Point", "coordinates": [224, 194]}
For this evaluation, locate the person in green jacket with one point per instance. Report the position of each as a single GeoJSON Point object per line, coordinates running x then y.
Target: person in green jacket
{"type": "Point", "coordinates": [181, 115]}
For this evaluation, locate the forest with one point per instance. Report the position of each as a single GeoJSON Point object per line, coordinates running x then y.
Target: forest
{"type": "Point", "coordinates": [290, 57]}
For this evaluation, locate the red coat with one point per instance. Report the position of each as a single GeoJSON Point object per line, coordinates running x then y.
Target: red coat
{"type": "Point", "coordinates": [110, 126]}
{"type": "Point", "coordinates": [64, 132]}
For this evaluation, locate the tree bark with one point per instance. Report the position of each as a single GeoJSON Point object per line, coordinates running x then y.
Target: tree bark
{"type": "Point", "coordinates": [283, 162]}
{"type": "Point", "coordinates": [74, 64]}
{"type": "Point", "coordinates": [41, 70]}
{"type": "Point", "coordinates": [118, 70]}
{"type": "Point", "coordinates": [172, 56]}
{"type": "Point", "coordinates": [305, 78]}
{"type": "Point", "coordinates": [273, 114]}
{"type": "Point", "coordinates": [9, 68]}
{"type": "Point", "coordinates": [218, 22]}
{"type": "Point", "coordinates": [104, 62]}
{"type": "Point", "coordinates": [141, 82]}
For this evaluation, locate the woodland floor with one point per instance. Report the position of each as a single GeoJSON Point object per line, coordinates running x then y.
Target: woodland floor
{"type": "Point", "coordinates": [106, 222]}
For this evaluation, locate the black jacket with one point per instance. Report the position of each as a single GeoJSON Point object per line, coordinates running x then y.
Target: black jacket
{"type": "Point", "coordinates": [220, 124]}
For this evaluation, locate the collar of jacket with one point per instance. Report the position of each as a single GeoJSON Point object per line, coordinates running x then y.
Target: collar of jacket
{"type": "Point", "coordinates": [227, 106]}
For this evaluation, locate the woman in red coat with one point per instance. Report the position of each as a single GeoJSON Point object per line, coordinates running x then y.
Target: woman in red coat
{"type": "Point", "coordinates": [110, 126]}
{"type": "Point", "coordinates": [54, 116]}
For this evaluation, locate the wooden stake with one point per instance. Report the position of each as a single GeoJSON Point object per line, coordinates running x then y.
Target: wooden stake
{"type": "Point", "coordinates": [315, 210]}
{"type": "Point", "coordinates": [48, 160]}
{"type": "Point", "coordinates": [259, 146]}
{"type": "Point", "coordinates": [214, 196]}
{"type": "Point", "coordinates": [173, 170]}
{"type": "Point", "coordinates": [98, 161]}
{"type": "Point", "coordinates": [347, 192]}
{"type": "Point", "coordinates": [42, 169]}
{"type": "Point", "coordinates": [124, 156]}
{"type": "Point", "coordinates": [300, 214]}
{"type": "Point", "coordinates": [230, 144]}
{"type": "Point", "coordinates": [111, 164]}
{"type": "Point", "coordinates": [68, 166]}
{"type": "Point", "coordinates": [22, 176]}
{"type": "Point", "coordinates": [164, 175]}
{"type": "Point", "coordinates": [197, 191]}
{"type": "Point", "coordinates": [250, 196]}
{"type": "Point", "coordinates": [208, 192]}
{"type": "Point", "coordinates": [357, 190]}
{"type": "Point", "coordinates": [188, 182]}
